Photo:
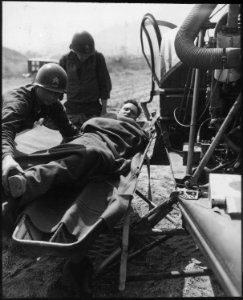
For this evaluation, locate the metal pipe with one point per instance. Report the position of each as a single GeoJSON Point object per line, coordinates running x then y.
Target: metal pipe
{"type": "Point", "coordinates": [194, 112]}
{"type": "Point", "coordinates": [148, 247]}
{"type": "Point", "coordinates": [203, 58]}
{"type": "Point", "coordinates": [157, 232]}
{"type": "Point", "coordinates": [107, 261]}
{"type": "Point", "coordinates": [169, 275]}
{"type": "Point", "coordinates": [150, 203]}
{"type": "Point", "coordinates": [160, 275]}
{"type": "Point", "coordinates": [208, 154]}
{"type": "Point", "coordinates": [188, 96]}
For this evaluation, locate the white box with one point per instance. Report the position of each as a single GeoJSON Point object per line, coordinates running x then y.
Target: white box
{"type": "Point", "coordinates": [225, 190]}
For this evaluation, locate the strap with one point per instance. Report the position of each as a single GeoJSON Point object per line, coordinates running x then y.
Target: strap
{"type": "Point", "coordinates": [128, 184]}
{"type": "Point", "coordinates": [149, 185]}
{"type": "Point", "coordinates": [124, 254]}
{"type": "Point", "coordinates": [126, 190]}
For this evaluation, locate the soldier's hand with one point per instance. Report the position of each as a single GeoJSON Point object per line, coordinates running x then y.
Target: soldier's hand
{"type": "Point", "coordinates": [8, 164]}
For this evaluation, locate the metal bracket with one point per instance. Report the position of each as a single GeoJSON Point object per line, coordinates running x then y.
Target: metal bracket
{"type": "Point", "coordinates": [188, 194]}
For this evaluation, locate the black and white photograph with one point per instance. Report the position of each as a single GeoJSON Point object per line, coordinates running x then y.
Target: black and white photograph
{"type": "Point", "coordinates": [121, 150]}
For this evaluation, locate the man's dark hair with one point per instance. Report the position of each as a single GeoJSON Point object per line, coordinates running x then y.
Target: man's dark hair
{"type": "Point", "coordinates": [134, 102]}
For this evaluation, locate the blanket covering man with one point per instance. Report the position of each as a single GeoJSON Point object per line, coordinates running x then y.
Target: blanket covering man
{"type": "Point", "coordinates": [105, 148]}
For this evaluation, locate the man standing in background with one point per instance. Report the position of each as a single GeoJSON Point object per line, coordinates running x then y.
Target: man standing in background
{"type": "Point", "coordinates": [89, 83]}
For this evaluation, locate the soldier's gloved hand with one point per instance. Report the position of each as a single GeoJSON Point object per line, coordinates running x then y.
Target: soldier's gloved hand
{"type": "Point", "coordinates": [40, 122]}
{"type": "Point", "coordinates": [8, 164]}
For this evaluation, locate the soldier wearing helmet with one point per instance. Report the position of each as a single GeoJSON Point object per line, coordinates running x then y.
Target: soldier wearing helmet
{"type": "Point", "coordinates": [89, 83]}
{"type": "Point", "coordinates": [25, 105]}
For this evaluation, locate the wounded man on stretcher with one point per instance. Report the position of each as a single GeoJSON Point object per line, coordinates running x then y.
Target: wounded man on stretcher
{"type": "Point", "coordinates": [106, 147]}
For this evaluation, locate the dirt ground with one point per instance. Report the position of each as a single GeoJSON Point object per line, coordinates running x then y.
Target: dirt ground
{"type": "Point", "coordinates": [32, 277]}
{"type": "Point", "coordinates": [25, 277]}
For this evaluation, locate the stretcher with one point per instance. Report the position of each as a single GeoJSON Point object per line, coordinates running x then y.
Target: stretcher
{"type": "Point", "coordinates": [66, 222]}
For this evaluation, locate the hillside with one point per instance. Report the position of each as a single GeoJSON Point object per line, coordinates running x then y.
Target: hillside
{"type": "Point", "coordinates": [116, 40]}
{"type": "Point", "coordinates": [14, 63]}
{"type": "Point", "coordinates": [113, 41]}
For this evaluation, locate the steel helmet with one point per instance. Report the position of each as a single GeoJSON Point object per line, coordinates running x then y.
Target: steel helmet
{"type": "Point", "coordinates": [51, 77]}
{"type": "Point", "coordinates": [83, 43]}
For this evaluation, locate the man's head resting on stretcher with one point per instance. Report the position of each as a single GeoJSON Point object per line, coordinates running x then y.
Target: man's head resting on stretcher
{"type": "Point", "coordinates": [130, 109]}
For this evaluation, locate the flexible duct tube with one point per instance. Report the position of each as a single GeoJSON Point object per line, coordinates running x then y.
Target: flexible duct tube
{"type": "Point", "coordinates": [204, 58]}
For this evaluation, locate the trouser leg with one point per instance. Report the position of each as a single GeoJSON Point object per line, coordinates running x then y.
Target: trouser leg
{"type": "Point", "coordinates": [75, 168]}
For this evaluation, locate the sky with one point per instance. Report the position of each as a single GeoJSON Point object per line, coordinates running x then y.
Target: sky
{"type": "Point", "coordinates": [37, 26]}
